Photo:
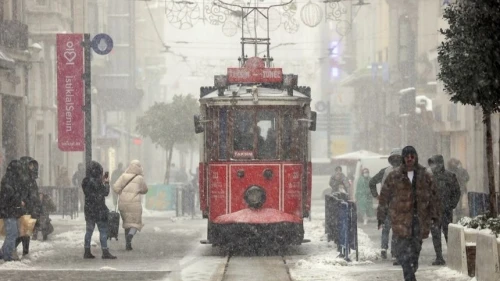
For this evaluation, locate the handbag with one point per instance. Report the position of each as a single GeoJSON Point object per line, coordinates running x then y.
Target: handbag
{"type": "Point", "coordinates": [26, 225]}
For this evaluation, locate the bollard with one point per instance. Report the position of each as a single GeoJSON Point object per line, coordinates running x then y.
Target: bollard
{"type": "Point", "coordinates": [178, 201]}
{"type": "Point", "coordinates": [344, 230]}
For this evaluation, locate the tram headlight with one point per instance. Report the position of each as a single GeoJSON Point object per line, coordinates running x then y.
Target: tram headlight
{"type": "Point", "coordinates": [255, 196]}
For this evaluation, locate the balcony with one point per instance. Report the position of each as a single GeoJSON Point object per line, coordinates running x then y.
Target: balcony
{"type": "Point", "coordinates": [14, 35]}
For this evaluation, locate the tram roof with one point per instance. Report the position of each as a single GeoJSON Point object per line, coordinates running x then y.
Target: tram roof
{"type": "Point", "coordinates": [264, 93]}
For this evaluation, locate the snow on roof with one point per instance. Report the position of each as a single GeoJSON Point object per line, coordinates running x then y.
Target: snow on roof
{"type": "Point", "coordinates": [262, 91]}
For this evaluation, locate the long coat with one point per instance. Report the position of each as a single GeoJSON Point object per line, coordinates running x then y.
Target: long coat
{"type": "Point", "coordinates": [95, 194]}
{"type": "Point", "coordinates": [396, 197]}
{"type": "Point", "coordinates": [130, 205]}
{"type": "Point", "coordinates": [364, 199]}
{"type": "Point", "coordinates": [447, 185]}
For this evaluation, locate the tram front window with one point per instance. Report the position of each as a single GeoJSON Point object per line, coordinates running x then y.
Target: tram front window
{"type": "Point", "coordinates": [267, 135]}
{"type": "Point", "coordinates": [243, 131]}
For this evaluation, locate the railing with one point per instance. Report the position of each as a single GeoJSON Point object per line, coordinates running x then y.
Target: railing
{"type": "Point", "coordinates": [14, 35]}
{"type": "Point", "coordinates": [64, 197]}
{"type": "Point", "coordinates": [341, 224]}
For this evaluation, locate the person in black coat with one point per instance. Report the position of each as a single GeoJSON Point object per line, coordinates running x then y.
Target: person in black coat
{"type": "Point", "coordinates": [11, 208]}
{"type": "Point", "coordinates": [44, 225]}
{"type": "Point", "coordinates": [95, 188]}
{"type": "Point", "coordinates": [30, 195]}
{"type": "Point", "coordinates": [449, 194]}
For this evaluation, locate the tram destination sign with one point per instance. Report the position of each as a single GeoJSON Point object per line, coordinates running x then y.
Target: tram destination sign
{"type": "Point", "coordinates": [254, 75]}
{"type": "Point", "coordinates": [254, 71]}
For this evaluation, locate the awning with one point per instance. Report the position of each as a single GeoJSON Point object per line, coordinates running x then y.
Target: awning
{"type": "Point", "coordinates": [6, 62]}
{"type": "Point", "coordinates": [113, 99]}
{"type": "Point", "coordinates": [367, 74]}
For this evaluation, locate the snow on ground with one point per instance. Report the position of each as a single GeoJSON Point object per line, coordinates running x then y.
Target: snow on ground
{"type": "Point", "coordinates": [322, 262]}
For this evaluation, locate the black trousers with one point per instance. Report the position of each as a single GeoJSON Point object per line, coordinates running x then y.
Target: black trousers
{"type": "Point", "coordinates": [446, 219]}
{"type": "Point", "coordinates": [408, 253]}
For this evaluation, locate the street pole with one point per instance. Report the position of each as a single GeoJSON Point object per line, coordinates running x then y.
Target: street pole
{"type": "Point", "coordinates": [88, 102]}
{"type": "Point", "coordinates": [328, 131]}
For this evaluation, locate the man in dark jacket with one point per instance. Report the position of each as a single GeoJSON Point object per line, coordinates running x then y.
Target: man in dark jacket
{"type": "Point", "coordinates": [455, 166]}
{"type": "Point", "coordinates": [395, 161]}
{"type": "Point", "coordinates": [76, 180]}
{"type": "Point", "coordinates": [410, 197]}
{"type": "Point", "coordinates": [29, 195]}
{"type": "Point", "coordinates": [339, 181]}
{"type": "Point", "coordinates": [96, 188]}
{"type": "Point", "coordinates": [11, 208]}
{"type": "Point", "coordinates": [449, 194]}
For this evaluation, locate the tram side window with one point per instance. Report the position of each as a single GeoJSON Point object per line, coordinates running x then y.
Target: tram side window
{"type": "Point", "coordinates": [267, 135]}
{"type": "Point", "coordinates": [243, 131]}
{"type": "Point", "coordinates": [223, 133]}
{"type": "Point", "coordinates": [291, 138]}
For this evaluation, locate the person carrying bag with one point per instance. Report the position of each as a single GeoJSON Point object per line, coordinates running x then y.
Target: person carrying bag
{"type": "Point", "coordinates": [129, 187]}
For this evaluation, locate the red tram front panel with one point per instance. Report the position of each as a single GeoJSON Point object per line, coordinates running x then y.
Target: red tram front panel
{"type": "Point", "coordinates": [254, 175]}
{"type": "Point", "coordinates": [226, 189]}
{"type": "Point", "coordinates": [218, 190]}
{"type": "Point", "coordinates": [292, 189]}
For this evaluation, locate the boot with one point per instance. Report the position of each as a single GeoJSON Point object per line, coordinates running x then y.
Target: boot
{"type": "Point", "coordinates": [26, 245]}
{"type": "Point", "coordinates": [107, 255]}
{"type": "Point", "coordinates": [384, 254]}
{"type": "Point", "coordinates": [439, 261]}
{"type": "Point", "coordinates": [88, 254]}
{"type": "Point", "coordinates": [128, 242]}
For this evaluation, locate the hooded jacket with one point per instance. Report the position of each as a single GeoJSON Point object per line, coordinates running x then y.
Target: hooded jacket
{"type": "Point", "coordinates": [382, 174]}
{"type": "Point", "coordinates": [95, 194]}
{"type": "Point", "coordinates": [397, 199]}
{"type": "Point", "coordinates": [10, 197]}
{"type": "Point", "coordinates": [130, 186]}
{"type": "Point", "coordinates": [446, 183]}
{"type": "Point", "coordinates": [29, 187]}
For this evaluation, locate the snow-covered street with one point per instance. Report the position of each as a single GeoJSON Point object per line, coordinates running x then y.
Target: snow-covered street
{"type": "Point", "coordinates": [168, 248]}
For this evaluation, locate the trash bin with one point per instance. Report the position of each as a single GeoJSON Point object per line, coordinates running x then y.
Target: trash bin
{"type": "Point", "coordinates": [478, 203]}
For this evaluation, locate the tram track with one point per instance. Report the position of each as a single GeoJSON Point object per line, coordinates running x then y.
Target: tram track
{"type": "Point", "coordinates": [253, 268]}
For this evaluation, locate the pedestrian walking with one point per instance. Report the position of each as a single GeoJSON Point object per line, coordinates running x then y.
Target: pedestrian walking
{"type": "Point", "coordinates": [364, 201]}
{"type": "Point", "coordinates": [47, 206]}
{"type": "Point", "coordinates": [129, 187]}
{"type": "Point", "coordinates": [77, 180]}
{"type": "Point", "coordinates": [114, 177]}
{"type": "Point", "coordinates": [395, 161]}
{"type": "Point", "coordinates": [448, 190]}
{"type": "Point", "coordinates": [95, 188]}
{"type": "Point", "coordinates": [11, 208]}
{"type": "Point", "coordinates": [338, 180]}
{"type": "Point", "coordinates": [455, 166]}
{"type": "Point", "coordinates": [30, 196]}
{"type": "Point", "coordinates": [410, 197]}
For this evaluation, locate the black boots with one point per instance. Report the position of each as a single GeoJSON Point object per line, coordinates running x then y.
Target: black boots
{"type": "Point", "coordinates": [439, 261]}
{"type": "Point", "coordinates": [25, 240]}
{"type": "Point", "coordinates": [107, 255]}
{"type": "Point", "coordinates": [128, 240]}
{"type": "Point", "coordinates": [88, 254]}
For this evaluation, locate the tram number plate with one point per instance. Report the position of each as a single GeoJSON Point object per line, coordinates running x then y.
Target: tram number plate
{"type": "Point", "coordinates": [243, 154]}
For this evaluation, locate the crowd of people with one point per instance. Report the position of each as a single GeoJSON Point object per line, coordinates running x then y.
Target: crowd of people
{"type": "Point", "coordinates": [413, 201]}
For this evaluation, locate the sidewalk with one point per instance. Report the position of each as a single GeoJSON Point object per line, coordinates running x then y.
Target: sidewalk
{"type": "Point", "coordinates": [384, 270]}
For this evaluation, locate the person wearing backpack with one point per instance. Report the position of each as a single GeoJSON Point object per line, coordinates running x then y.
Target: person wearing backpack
{"type": "Point", "coordinates": [129, 187]}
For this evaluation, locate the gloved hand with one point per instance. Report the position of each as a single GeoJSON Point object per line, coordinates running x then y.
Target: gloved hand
{"type": "Point", "coordinates": [380, 223]}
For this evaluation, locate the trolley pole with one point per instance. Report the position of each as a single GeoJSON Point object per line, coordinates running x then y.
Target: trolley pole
{"type": "Point", "coordinates": [87, 109]}
{"type": "Point", "coordinates": [328, 131]}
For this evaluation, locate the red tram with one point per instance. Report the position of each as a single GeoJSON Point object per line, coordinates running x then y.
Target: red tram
{"type": "Point", "coordinates": [255, 168]}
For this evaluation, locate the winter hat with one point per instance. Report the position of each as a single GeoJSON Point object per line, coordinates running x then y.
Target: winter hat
{"type": "Point", "coordinates": [409, 150]}
{"type": "Point", "coordinates": [395, 157]}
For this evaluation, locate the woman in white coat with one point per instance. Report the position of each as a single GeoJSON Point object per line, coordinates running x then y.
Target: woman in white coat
{"type": "Point", "coordinates": [129, 187]}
